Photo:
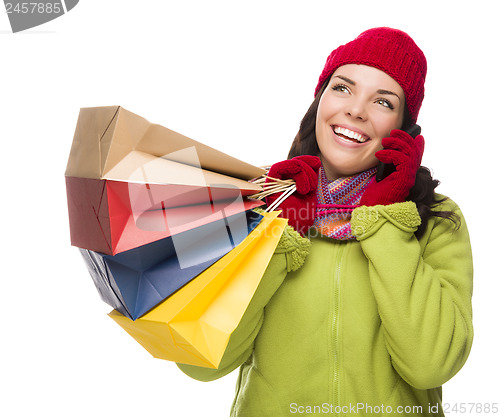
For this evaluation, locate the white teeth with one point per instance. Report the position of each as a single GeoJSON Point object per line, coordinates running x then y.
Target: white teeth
{"type": "Point", "coordinates": [350, 134]}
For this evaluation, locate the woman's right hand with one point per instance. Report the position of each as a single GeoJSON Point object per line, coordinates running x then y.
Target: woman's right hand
{"type": "Point", "coordinates": [299, 208]}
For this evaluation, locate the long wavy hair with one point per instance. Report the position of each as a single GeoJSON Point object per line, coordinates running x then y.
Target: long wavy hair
{"type": "Point", "coordinates": [422, 193]}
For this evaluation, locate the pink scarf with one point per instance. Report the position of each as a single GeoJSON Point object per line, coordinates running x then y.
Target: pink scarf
{"type": "Point", "coordinates": [335, 201]}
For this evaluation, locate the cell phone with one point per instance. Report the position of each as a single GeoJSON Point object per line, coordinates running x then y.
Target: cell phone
{"type": "Point", "coordinates": [383, 170]}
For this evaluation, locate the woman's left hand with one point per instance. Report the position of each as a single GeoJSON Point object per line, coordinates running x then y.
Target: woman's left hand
{"type": "Point", "coordinates": [300, 207]}
{"type": "Point", "coordinates": [405, 153]}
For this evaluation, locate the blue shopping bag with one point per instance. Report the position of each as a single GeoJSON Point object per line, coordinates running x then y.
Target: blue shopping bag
{"type": "Point", "coordinates": [135, 281]}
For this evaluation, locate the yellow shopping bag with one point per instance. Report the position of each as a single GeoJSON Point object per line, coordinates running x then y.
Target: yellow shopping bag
{"type": "Point", "coordinates": [193, 326]}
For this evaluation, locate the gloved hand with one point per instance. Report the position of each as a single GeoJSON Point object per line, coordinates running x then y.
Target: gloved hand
{"type": "Point", "coordinates": [405, 153]}
{"type": "Point", "coordinates": [299, 208]}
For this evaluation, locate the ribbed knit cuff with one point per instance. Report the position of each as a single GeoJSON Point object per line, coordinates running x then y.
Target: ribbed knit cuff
{"type": "Point", "coordinates": [295, 247]}
{"type": "Point", "coordinates": [366, 220]}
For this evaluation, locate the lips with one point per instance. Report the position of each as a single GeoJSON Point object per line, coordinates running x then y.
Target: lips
{"type": "Point", "coordinates": [351, 135]}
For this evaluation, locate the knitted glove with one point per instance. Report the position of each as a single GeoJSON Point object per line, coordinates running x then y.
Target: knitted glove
{"type": "Point", "coordinates": [405, 153]}
{"type": "Point", "coordinates": [298, 208]}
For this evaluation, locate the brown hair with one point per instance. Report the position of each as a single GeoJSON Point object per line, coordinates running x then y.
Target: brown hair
{"type": "Point", "coordinates": [422, 193]}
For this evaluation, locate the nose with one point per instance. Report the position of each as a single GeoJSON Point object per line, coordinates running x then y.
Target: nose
{"type": "Point", "coordinates": [356, 109]}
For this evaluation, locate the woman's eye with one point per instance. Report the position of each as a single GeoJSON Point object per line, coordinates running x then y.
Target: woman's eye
{"type": "Point", "coordinates": [385, 103]}
{"type": "Point", "coordinates": [341, 88]}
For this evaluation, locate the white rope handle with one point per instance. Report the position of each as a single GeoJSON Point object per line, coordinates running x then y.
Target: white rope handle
{"type": "Point", "coordinates": [282, 198]}
{"type": "Point", "coordinates": [273, 186]}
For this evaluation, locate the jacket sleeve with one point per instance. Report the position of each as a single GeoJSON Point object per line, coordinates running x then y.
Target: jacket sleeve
{"type": "Point", "coordinates": [423, 289]}
{"type": "Point", "coordinates": [289, 255]}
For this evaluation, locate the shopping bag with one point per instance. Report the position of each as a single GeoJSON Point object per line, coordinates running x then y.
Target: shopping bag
{"type": "Point", "coordinates": [193, 326]}
{"type": "Point", "coordinates": [126, 178]}
{"type": "Point", "coordinates": [136, 280]}
{"type": "Point", "coordinates": [107, 217]}
{"type": "Point", "coordinates": [110, 137]}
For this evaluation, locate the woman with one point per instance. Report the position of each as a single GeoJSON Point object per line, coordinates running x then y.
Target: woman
{"type": "Point", "coordinates": [378, 316]}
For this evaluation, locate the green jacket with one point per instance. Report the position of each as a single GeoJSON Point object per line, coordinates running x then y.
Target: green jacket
{"type": "Point", "coordinates": [364, 327]}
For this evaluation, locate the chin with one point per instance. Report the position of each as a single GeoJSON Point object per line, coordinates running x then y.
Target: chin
{"type": "Point", "coordinates": [336, 171]}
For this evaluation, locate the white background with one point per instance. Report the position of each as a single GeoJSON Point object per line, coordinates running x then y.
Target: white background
{"type": "Point", "coordinates": [237, 76]}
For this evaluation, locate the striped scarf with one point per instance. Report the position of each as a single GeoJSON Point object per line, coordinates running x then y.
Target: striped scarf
{"type": "Point", "coordinates": [335, 201]}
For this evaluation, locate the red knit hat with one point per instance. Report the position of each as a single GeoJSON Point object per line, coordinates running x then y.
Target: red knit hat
{"type": "Point", "coordinates": [390, 50]}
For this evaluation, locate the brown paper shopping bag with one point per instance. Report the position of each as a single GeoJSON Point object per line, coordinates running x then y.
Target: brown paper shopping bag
{"type": "Point", "coordinates": [126, 179]}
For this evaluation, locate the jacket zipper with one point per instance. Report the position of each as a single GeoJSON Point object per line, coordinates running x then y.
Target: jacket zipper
{"type": "Point", "coordinates": [335, 325]}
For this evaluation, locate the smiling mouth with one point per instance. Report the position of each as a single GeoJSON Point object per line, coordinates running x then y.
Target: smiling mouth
{"type": "Point", "coordinates": [350, 135]}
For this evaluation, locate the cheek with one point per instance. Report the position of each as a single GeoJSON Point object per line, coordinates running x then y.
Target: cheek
{"type": "Point", "coordinates": [327, 109]}
{"type": "Point", "coordinates": [328, 106]}
{"type": "Point", "coordinates": [320, 116]}
{"type": "Point", "coordinates": [377, 146]}
{"type": "Point", "coordinates": [322, 125]}
{"type": "Point", "coordinates": [385, 127]}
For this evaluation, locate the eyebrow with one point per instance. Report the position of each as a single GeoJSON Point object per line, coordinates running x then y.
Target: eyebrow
{"type": "Point", "coordinates": [381, 91]}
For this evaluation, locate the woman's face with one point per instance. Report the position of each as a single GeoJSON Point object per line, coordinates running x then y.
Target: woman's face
{"type": "Point", "coordinates": [359, 107]}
